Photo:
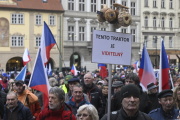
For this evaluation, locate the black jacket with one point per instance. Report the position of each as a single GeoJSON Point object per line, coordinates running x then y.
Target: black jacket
{"type": "Point", "coordinates": [23, 113]}
{"type": "Point", "coordinates": [95, 98]}
{"type": "Point", "coordinates": [2, 102]}
{"type": "Point", "coordinates": [121, 115]}
{"type": "Point", "coordinates": [154, 101]}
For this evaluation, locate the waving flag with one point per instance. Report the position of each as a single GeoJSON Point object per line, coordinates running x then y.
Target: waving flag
{"type": "Point", "coordinates": [164, 69]}
{"type": "Point", "coordinates": [135, 65]}
{"type": "Point", "coordinates": [74, 70]}
{"type": "Point", "coordinates": [47, 42]}
{"type": "Point", "coordinates": [146, 72]}
{"type": "Point", "coordinates": [39, 79]}
{"type": "Point", "coordinates": [22, 74]}
{"type": "Point", "coordinates": [26, 57]}
{"type": "Point", "coordinates": [103, 71]}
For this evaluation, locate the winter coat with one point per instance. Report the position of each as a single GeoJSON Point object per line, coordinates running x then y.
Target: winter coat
{"type": "Point", "coordinates": [72, 104]}
{"type": "Point", "coordinates": [21, 112]}
{"type": "Point", "coordinates": [154, 101]}
{"type": "Point", "coordinates": [95, 98]}
{"type": "Point", "coordinates": [121, 115]}
{"type": "Point", "coordinates": [2, 102]}
{"type": "Point", "coordinates": [65, 113]}
{"type": "Point", "coordinates": [159, 114]}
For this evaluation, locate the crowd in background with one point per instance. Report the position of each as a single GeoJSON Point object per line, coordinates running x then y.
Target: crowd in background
{"type": "Point", "coordinates": [85, 97]}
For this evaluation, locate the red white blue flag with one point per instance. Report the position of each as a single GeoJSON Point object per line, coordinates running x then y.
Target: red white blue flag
{"type": "Point", "coordinates": [164, 69]}
{"type": "Point", "coordinates": [103, 70]}
{"type": "Point", "coordinates": [22, 74]}
{"type": "Point", "coordinates": [47, 42]}
{"type": "Point", "coordinates": [26, 57]}
{"type": "Point", "coordinates": [74, 70]}
{"type": "Point", "coordinates": [39, 79]}
{"type": "Point", "coordinates": [135, 65]}
{"type": "Point", "coordinates": [146, 72]}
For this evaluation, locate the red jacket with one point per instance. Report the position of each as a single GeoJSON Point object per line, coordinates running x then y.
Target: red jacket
{"type": "Point", "coordinates": [65, 113]}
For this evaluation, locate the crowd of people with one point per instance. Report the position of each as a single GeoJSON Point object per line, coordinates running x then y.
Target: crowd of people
{"type": "Point", "coordinates": [85, 97]}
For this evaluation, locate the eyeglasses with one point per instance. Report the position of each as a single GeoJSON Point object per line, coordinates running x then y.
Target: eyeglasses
{"type": "Point", "coordinates": [83, 115]}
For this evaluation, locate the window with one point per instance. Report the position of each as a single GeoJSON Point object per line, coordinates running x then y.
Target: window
{"type": "Point", "coordinates": [154, 22]}
{"type": "Point", "coordinates": [162, 4]}
{"type": "Point", "coordinates": [93, 5]}
{"type": "Point", "coordinates": [81, 5]}
{"type": "Point", "coordinates": [111, 4]}
{"type": "Point", "coordinates": [145, 40]}
{"type": "Point", "coordinates": [81, 33]}
{"type": "Point", "coordinates": [103, 2]}
{"type": "Point", "coordinates": [38, 19]}
{"type": "Point", "coordinates": [145, 3]}
{"type": "Point", "coordinates": [170, 23]}
{"type": "Point", "coordinates": [71, 33]}
{"type": "Point", "coordinates": [103, 29]}
{"type": "Point", "coordinates": [146, 22]}
{"type": "Point", "coordinates": [162, 22]}
{"type": "Point", "coordinates": [70, 4]}
{"type": "Point", "coordinates": [17, 18]}
{"type": "Point", "coordinates": [92, 29]}
{"type": "Point", "coordinates": [17, 41]}
{"type": "Point", "coordinates": [124, 3]}
{"type": "Point", "coordinates": [38, 41]}
{"type": "Point", "coordinates": [123, 30]}
{"type": "Point", "coordinates": [133, 32]}
{"type": "Point", "coordinates": [170, 4]}
{"type": "Point", "coordinates": [170, 42]}
{"type": "Point", "coordinates": [154, 42]}
{"type": "Point", "coordinates": [133, 8]}
{"type": "Point", "coordinates": [154, 3]}
{"type": "Point", "coordinates": [52, 20]}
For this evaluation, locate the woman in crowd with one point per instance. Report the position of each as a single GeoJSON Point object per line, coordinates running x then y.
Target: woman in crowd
{"type": "Point", "coordinates": [87, 112]}
{"type": "Point", "coordinates": [176, 96]}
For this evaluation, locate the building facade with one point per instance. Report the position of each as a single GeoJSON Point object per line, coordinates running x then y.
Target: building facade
{"type": "Point", "coordinates": [21, 23]}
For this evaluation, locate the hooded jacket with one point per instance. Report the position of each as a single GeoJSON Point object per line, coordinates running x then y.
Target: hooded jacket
{"type": "Point", "coordinates": [21, 112]}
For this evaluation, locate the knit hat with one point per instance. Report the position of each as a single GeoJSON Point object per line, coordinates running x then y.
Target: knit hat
{"type": "Point", "coordinates": [130, 90]}
{"type": "Point", "coordinates": [67, 77]}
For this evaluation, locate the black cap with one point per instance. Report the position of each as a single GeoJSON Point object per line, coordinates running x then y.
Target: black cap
{"type": "Point", "coordinates": [73, 80]}
{"type": "Point", "coordinates": [165, 93]}
{"type": "Point", "coordinates": [19, 82]}
{"type": "Point", "coordinates": [151, 86]}
{"type": "Point", "coordinates": [130, 90]}
{"type": "Point", "coordinates": [117, 84]}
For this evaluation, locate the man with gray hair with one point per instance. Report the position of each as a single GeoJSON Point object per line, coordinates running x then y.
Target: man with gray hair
{"type": "Point", "coordinates": [57, 109]}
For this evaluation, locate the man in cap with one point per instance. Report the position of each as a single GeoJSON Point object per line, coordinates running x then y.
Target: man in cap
{"type": "Point", "coordinates": [130, 100]}
{"type": "Point", "coordinates": [117, 86]}
{"type": "Point", "coordinates": [4, 82]}
{"type": "Point", "coordinates": [152, 93]}
{"type": "Point", "coordinates": [27, 98]}
{"type": "Point", "coordinates": [167, 110]}
{"type": "Point", "coordinates": [65, 85]}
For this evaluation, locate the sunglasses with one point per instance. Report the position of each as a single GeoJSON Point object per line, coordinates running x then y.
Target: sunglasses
{"type": "Point", "coordinates": [83, 115]}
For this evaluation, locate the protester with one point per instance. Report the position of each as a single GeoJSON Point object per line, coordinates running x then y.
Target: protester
{"type": "Point", "coordinates": [27, 98]}
{"type": "Point", "coordinates": [130, 100]}
{"type": "Point", "coordinates": [94, 94]}
{"type": "Point", "coordinates": [65, 85]}
{"type": "Point", "coordinates": [77, 99]}
{"type": "Point", "coordinates": [167, 110]}
{"type": "Point", "coordinates": [15, 110]}
{"type": "Point", "coordinates": [57, 109]}
{"type": "Point", "coordinates": [2, 101]}
{"type": "Point", "coordinates": [176, 96]}
{"type": "Point", "coordinates": [152, 94]}
{"type": "Point", "coordinates": [87, 112]}
{"type": "Point", "coordinates": [117, 85]}
{"type": "Point", "coordinates": [4, 82]}
{"type": "Point", "coordinates": [53, 82]}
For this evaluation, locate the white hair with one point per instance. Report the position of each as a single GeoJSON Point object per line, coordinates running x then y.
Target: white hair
{"type": "Point", "coordinates": [90, 109]}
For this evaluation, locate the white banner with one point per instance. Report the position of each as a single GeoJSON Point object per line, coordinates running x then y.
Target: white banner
{"type": "Point", "coordinates": [111, 47]}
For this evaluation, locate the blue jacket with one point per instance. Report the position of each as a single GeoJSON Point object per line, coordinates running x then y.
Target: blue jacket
{"type": "Point", "coordinates": [21, 112]}
{"type": "Point", "coordinates": [72, 104]}
{"type": "Point", "coordinates": [159, 114]}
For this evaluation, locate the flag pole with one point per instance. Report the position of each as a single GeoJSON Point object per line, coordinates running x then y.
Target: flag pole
{"type": "Point", "coordinates": [171, 80]}
{"type": "Point", "coordinates": [160, 69]}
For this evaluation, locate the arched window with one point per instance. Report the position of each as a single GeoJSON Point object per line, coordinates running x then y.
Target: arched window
{"type": "Point", "coordinates": [154, 22]}
{"type": "Point", "coordinates": [162, 22]}
{"type": "Point", "coordinates": [146, 21]}
{"type": "Point", "coordinates": [170, 23]}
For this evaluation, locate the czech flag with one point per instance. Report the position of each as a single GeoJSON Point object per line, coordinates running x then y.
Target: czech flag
{"type": "Point", "coordinates": [103, 70]}
{"type": "Point", "coordinates": [164, 69]}
{"type": "Point", "coordinates": [146, 72]}
{"type": "Point", "coordinates": [74, 70]}
{"type": "Point", "coordinates": [47, 42]}
{"type": "Point", "coordinates": [39, 79]}
{"type": "Point", "coordinates": [22, 74]}
{"type": "Point", "coordinates": [26, 57]}
{"type": "Point", "coordinates": [135, 65]}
